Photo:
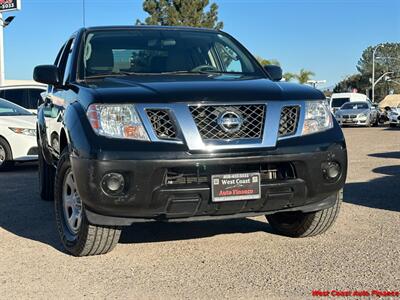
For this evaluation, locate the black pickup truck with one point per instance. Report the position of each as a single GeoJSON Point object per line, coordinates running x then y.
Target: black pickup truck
{"type": "Point", "coordinates": [175, 124]}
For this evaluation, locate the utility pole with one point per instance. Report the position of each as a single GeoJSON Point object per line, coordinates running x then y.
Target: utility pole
{"type": "Point", "coordinates": [314, 83]}
{"type": "Point", "coordinates": [2, 75]}
{"type": "Point", "coordinates": [373, 71]}
{"type": "Point", "coordinates": [84, 13]}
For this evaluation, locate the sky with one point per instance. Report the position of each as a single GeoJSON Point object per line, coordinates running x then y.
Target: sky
{"type": "Point", "coordinates": [324, 36]}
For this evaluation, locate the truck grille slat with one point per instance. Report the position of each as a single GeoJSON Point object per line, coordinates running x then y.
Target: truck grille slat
{"type": "Point", "coordinates": [162, 123]}
{"type": "Point", "coordinates": [192, 175]}
{"type": "Point", "coordinates": [289, 120]}
{"type": "Point", "coordinates": [252, 117]}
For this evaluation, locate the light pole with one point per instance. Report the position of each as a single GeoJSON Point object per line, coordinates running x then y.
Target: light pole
{"type": "Point", "coordinates": [3, 24]}
{"type": "Point", "coordinates": [373, 71]}
{"type": "Point", "coordinates": [395, 81]}
{"type": "Point", "coordinates": [314, 83]}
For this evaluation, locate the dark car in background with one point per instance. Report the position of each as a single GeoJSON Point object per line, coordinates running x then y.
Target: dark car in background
{"type": "Point", "coordinates": [181, 124]}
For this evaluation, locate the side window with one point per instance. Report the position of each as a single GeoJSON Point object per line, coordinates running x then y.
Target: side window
{"type": "Point", "coordinates": [2, 94]}
{"type": "Point", "coordinates": [66, 61]}
{"type": "Point", "coordinates": [34, 98]}
{"type": "Point", "coordinates": [16, 96]}
{"type": "Point", "coordinates": [229, 57]}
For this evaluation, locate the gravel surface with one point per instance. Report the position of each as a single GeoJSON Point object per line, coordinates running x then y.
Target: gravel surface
{"type": "Point", "coordinates": [219, 259]}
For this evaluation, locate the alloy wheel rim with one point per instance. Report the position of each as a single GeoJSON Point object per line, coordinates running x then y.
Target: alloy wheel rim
{"type": "Point", "coordinates": [2, 155]}
{"type": "Point", "coordinates": [72, 204]}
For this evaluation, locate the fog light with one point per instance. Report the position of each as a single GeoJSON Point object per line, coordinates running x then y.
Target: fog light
{"type": "Point", "coordinates": [113, 184]}
{"type": "Point", "coordinates": [331, 170]}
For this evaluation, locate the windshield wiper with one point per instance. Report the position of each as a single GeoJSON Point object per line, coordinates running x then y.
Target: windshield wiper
{"type": "Point", "coordinates": [126, 73]}
{"type": "Point", "coordinates": [221, 72]}
{"type": "Point", "coordinates": [180, 72]}
{"type": "Point", "coordinates": [113, 74]}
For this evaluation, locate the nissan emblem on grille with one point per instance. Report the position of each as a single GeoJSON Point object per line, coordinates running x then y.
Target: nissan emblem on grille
{"type": "Point", "coordinates": [230, 121]}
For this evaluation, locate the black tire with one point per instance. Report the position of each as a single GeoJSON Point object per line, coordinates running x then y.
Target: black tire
{"type": "Point", "coordinates": [6, 155]}
{"type": "Point", "coordinates": [46, 178]}
{"type": "Point", "coordinates": [298, 224]}
{"type": "Point", "coordinates": [88, 239]}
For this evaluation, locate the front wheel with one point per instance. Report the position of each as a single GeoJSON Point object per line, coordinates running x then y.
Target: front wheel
{"type": "Point", "coordinates": [78, 236]}
{"type": "Point", "coordinates": [46, 178]}
{"type": "Point", "coordinates": [299, 224]}
{"type": "Point", "coordinates": [5, 155]}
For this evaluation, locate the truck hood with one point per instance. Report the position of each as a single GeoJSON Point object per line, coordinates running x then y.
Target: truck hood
{"type": "Point", "coordinates": [178, 88]}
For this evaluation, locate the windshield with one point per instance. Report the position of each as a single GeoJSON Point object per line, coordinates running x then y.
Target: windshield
{"type": "Point", "coordinates": [11, 109]}
{"type": "Point", "coordinates": [355, 105]}
{"type": "Point", "coordinates": [338, 102]}
{"type": "Point", "coordinates": [146, 51]}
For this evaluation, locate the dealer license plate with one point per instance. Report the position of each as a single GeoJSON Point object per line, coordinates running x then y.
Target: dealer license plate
{"type": "Point", "coordinates": [235, 187]}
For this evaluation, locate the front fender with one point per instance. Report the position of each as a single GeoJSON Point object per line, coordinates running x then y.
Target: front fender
{"type": "Point", "coordinates": [42, 140]}
{"type": "Point", "coordinates": [80, 135]}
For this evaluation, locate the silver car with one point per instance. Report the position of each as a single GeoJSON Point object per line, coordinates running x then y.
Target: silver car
{"type": "Point", "coordinates": [358, 113]}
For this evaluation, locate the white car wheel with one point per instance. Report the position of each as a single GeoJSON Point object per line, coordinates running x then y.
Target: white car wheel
{"type": "Point", "coordinates": [5, 154]}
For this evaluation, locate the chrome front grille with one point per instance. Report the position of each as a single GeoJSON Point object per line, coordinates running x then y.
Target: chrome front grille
{"type": "Point", "coordinates": [162, 123]}
{"type": "Point", "coordinates": [229, 122]}
{"type": "Point", "coordinates": [289, 120]}
{"type": "Point", "coordinates": [349, 116]}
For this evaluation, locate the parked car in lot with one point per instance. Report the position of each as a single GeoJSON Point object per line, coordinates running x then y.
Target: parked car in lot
{"type": "Point", "coordinates": [338, 99]}
{"type": "Point", "coordinates": [393, 114]}
{"type": "Point", "coordinates": [27, 96]}
{"type": "Point", "coordinates": [358, 113]}
{"type": "Point", "coordinates": [391, 107]}
{"type": "Point", "coordinates": [171, 124]}
{"type": "Point", "coordinates": [17, 134]}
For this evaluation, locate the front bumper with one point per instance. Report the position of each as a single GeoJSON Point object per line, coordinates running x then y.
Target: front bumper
{"type": "Point", "coordinates": [23, 147]}
{"type": "Point", "coordinates": [150, 197]}
{"type": "Point", "coordinates": [353, 121]}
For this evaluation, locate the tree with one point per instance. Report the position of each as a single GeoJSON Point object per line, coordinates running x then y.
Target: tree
{"type": "Point", "coordinates": [353, 82]}
{"type": "Point", "coordinates": [289, 76]}
{"type": "Point", "coordinates": [265, 62]}
{"type": "Point", "coordinates": [304, 76]}
{"type": "Point", "coordinates": [387, 59]}
{"type": "Point", "coordinates": [181, 13]}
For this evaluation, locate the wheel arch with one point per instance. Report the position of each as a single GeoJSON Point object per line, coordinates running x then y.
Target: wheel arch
{"type": "Point", "coordinates": [63, 140]}
{"type": "Point", "coordinates": [9, 146]}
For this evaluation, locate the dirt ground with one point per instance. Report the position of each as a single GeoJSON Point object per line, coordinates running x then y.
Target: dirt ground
{"type": "Point", "coordinates": [219, 259]}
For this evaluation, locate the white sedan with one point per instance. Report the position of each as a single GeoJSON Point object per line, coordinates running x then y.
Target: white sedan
{"type": "Point", "coordinates": [394, 116]}
{"type": "Point", "coordinates": [17, 134]}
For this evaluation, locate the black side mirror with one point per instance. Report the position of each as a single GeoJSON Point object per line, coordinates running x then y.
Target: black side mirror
{"type": "Point", "coordinates": [275, 72]}
{"type": "Point", "coordinates": [47, 74]}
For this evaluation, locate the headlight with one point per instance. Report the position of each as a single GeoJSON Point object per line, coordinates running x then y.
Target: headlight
{"type": "Point", "coordinates": [117, 121]}
{"type": "Point", "coordinates": [24, 131]}
{"type": "Point", "coordinates": [363, 115]}
{"type": "Point", "coordinates": [317, 117]}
